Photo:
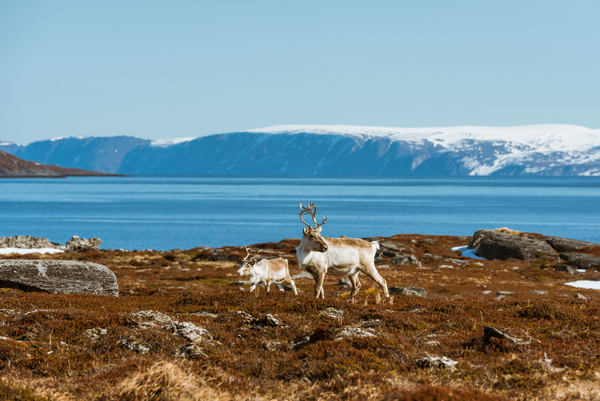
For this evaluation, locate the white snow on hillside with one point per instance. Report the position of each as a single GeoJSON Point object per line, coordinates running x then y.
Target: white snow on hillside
{"type": "Point", "coordinates": [545, 138]}
{"type": "Point", "coordinates": [9, 143]}
{"type": "Point", "coordinates": [163, 143]}
{"type": "Point", "coordinates": [528, 145]}
{"type": "Point", "coordinates": [23, 251]}
{"type": "Point", "coordinates": [60, 138]}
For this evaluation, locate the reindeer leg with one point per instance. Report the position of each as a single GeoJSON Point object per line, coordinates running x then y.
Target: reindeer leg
{"type": "Point", "coordinates": [253, 287]}
{"type": "Point", "coordinates": [268, 285]}
{"type": "Point", "coordinates": [289, 278]}
{"type": "Point", "coordinates": [355, 284]}
{"type": "Point", "coordinates": [371, 272]}
{"type": "Point", "coordinates": [294, 286]}
{"type": "Point", "coordinates": [319, 278]}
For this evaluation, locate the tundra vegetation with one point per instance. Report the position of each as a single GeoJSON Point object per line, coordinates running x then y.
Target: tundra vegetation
{"type": "Point", "coordinates": [184, 328]}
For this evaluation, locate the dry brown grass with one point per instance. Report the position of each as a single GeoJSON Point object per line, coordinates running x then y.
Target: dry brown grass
{"type": "Point", "coordinates": [47, 355]}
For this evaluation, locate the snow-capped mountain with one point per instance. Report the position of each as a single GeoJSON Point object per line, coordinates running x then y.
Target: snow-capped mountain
{"type": "Point", "coordinates": [10, 147]}
{"type": "Point", "coordinates": [486, 150]}
{"type": "Point", "coordinates": [340, 150]}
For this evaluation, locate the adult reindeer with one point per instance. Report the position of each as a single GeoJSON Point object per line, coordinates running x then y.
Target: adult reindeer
{"type": "Point", "coordinates": [336, 256]}
{"type": "Point", "coordinates": [266, 271]}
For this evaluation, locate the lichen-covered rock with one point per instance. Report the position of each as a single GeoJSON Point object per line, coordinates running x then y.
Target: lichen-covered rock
{"type": "Point", "coordinates": [436, 362]}
{"type": "Point", "coordinates": [188, 331]}
{"type": "Point", "coordinates": [581, 260]}
{"type": "Point", "coordinates": [419, 292]}
{"type": "Point", "coordinates": [95, 333]}
{"type": "Point", "coordinates": [353, 332]}
{"type": "Point", "coordinates": [406, 259]}
{"type": "Point", "coordinates": [134, 346]}
{"type": "Point", "coordinates": [153, 317]}
{"type": "Point", "coordinates": [76, 244]}
{"type": "Point", "coordinates": [28, 242]}
{"type": "Point", "coordinates": [332, 312]}
{"type": "Point", "coordinates": [190, 350]}
{"type": "Point", "coordinates": [58, 277]}
{"type": "Point", "coordinates": [568, 245]}
{"type": "Point", "coordinates": [492, 244]}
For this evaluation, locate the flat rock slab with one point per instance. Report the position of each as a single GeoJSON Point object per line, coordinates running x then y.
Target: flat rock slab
{"type": "Point", "coordinates": [497, 245]}
{"type": "Point", "coordinates": [567, 245]}
{"type": "Point", "coordinates": [58, 277]}
{"type": "Point", "coordinates": [581, 260]}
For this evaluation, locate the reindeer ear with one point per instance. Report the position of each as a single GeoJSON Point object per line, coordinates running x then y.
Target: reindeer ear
{"type": "Point", "coordinates": [305, 231]}
{"type": "Point", "coordinates": [319, 228]}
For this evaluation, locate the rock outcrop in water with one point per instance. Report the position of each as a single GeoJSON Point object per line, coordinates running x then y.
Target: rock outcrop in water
{"type": "Point", "coordinates": [75, 244]}
{"type": "Point", "coordinates": [27, 242]}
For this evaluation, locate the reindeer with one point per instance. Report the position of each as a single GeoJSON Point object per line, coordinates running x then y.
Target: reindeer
{"type": "Point", "coordinates": [266, 271]}
{"type": "Point", "coordinates": [336, 256]}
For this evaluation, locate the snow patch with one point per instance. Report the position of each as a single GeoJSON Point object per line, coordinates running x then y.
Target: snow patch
{"type": "Point", "coordinates": [545, 138]}
{"type": "Point", "coordinates": [22, 251]}
{"type": "Point", "coordinates": [591, 285]}
{"type": "Point", "coordinates": [60, 138]}
{"type": "Point", "coordinates": [163, 143]}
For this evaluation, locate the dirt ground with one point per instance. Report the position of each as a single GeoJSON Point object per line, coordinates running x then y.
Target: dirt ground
{"type": "Point", "coordinates": [185, 327]}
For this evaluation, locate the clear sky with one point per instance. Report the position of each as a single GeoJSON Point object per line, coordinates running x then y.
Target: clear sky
{"type": "Point", "coordinates": [166, 69]}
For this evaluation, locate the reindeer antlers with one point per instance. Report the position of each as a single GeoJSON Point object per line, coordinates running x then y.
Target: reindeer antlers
{"type": "Point", "coordinates": [312, 210]}
{"type": "Point", "coordinates": [247, 258]}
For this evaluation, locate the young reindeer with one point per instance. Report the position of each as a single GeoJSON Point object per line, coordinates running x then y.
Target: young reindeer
{"type": "Point", "coordinates": [336, 256]}
{"type": "Point", "coordinates": [266, 271]}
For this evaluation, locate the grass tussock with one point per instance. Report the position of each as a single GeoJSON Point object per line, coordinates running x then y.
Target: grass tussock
{"type": "Point", "coordinates": [166, 381]}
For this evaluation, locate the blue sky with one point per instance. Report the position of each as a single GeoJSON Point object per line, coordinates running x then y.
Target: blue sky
{"type": "Point", "coordinates": [188, 68]}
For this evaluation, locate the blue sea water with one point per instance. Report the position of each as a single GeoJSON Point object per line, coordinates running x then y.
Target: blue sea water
{"type": "Point", "coordinates": [167, 212]}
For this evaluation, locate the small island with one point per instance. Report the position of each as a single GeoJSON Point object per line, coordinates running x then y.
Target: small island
{"type": "Point", "coordinates": [14, 167]}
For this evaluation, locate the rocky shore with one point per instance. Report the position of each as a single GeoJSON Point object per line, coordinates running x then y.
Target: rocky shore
{"type": "Point", "coordinates": [493, 323]}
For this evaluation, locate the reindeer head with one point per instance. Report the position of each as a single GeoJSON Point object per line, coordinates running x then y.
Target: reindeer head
{"type": "Point", "coordinates": [248, 263]}
{"type": "Point", "coordinates": [313, 234]}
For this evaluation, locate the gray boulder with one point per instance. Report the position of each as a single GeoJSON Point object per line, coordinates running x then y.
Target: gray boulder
{"type": "Point", "coordinates": [565, 268]}
{"type": "Point", "coordinates": [406, 259]}
{"type": "Point", "coordinates": [76, 244]}
{"type": "Point", "coordinates": [344, 282]}
{"type": "Point", "coordinates": [493, 244]}
{"type": "Point", "coordinates": [302, 274]}
{"type": "Point", "coordinates": [417, 291]}
{"type": "Point", "coordinates": [568, 245]}
{"type": "Point", "coordinates": [58, 277]}
{"type": "Point", "coordinates": [27, 242]}
{"type": "Point", "coordinates": [581, 260]}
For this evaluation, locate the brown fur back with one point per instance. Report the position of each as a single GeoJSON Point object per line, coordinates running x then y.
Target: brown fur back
{"type": "Point", "coordinates": [354, 242]}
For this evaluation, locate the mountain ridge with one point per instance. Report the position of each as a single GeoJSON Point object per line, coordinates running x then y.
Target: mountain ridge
{"type": "Point", "coordinates": [543, 149]}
